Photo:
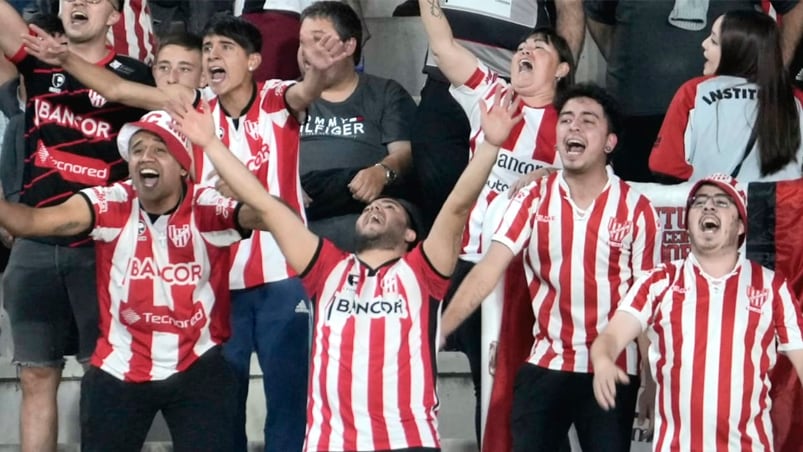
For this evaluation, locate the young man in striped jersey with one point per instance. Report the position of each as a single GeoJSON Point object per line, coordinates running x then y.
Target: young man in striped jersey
{"type": "Point", "coordinates": [373, 370]}
{"type": "Point", "coordinates": [715, 321]}
{"type": "Point", "coordinates": [586, 235]}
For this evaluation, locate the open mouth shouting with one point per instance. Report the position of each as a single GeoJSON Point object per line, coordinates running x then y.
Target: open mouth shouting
{"type": "Point", "coordinates": [709, 224]}
{"type": "Point", "coordinates": [149, 177]}
{"type": "Point", "coordinates": [78, 17]}
{"type": "Point", "coordinates": [574, 146]}
{"type": "Point", "coordinates": [525, 66]}
{"type": "Point", "coordinates": [216, 74]}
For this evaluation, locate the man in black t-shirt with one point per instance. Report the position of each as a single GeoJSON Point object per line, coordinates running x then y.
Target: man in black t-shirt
{"type": "Point", "coordinates": [49, 284]}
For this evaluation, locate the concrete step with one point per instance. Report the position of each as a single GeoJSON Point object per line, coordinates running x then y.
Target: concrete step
{"type": "Point", "coordinates": [456, 422]}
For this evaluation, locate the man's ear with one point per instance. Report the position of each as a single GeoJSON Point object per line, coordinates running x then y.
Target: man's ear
{"type": "Point", "coordinates": [563, 70]}
{"type": "Point", "coordinates": [409, 236]}
{"type": "Point", "coordinates": [610, 142]}
{"type": "Point", "coordinates": [114, 17]}
{"type": "Point", "coordinates": [254, 60]}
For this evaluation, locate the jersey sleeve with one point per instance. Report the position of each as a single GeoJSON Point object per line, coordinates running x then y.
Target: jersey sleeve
{"type": "Point", "coordinates": [315, 275]}
{"type": "Point", "coordinates": [110, 210]}
{"type": "Point", "coordinates": [481, 85]}
{"type": "Point", "coordinates": [397, 113]}
{"type": "Point", "coordinates": [273, 100]}
{"type": "Point", "coordinates": [516, 225]}
{"type": "Point", "coordinates": [646, 252]}
{"type": "Point", "coordinates": [787, 318]}
{"type": "Point", "coordinates": [216, 217]}
{"type": "Point", "coordinates": [437, 283]}
{"type": "Point", "coordinates": [670, 156]}
{"type": "Point", "coordinates": [643, 298]}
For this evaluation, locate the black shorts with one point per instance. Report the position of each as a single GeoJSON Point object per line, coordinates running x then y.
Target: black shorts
{"type": "Point", "coordinates": [51, 297]}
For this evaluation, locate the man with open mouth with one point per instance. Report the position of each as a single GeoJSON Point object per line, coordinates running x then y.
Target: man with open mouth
{"type": "Point", "coordinates": [716, 322]}
{"type": "Point", "coordinates": [49, 284]}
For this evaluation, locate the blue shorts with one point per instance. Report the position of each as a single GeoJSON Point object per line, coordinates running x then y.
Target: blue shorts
{"type": "Point", "coordinates": [51, 297]}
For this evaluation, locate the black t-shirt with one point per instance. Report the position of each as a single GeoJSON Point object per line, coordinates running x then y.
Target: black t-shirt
{"type": "Point", "coordinates": [71, 133]}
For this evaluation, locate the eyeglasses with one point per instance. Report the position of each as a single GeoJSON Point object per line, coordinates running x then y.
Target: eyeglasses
{"type": "Point", "coordinates": [721, 201]}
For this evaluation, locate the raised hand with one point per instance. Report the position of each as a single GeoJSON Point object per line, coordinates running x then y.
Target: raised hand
{"type": "Point", "coordinates": [498, 119]}
{"type": "Point", "coordinates": [525, 180]}
{"type": "Point", "coordinates": [323, 53]}
{"type": "Point", "coordinates": [197, 125]}
{"type": "Point", "coordinates": [46, 47]}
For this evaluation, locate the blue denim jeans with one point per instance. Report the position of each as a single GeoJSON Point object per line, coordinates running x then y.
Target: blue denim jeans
{"type": "Point", "coordinates": [274, 320]}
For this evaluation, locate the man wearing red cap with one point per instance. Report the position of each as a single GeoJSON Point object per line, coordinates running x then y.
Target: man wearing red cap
{"type": "Point", "coordinates": [715, 321]}
{"type": "Point", "coordinates": [164, 306]}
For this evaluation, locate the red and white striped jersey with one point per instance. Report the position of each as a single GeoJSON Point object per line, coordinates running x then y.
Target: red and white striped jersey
{"type": "Point", "coordinates": [713, 343]}
{"type": "Point", "coordinates": [162, 301]}
{"type": "Point", "coordinates": [266, 140]}
{"type": "Point", "coordinates": [133, 35]}
{"type": "Point", "coordinates": [373, 371]}
{"type": "Point", "coordinates": [530, 145]}
{"type": "Point", "coordinates": [579, 263]}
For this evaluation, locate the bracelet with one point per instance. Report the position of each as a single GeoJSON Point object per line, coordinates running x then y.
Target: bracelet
{"type": "Point", "coordinates": [390, 173]}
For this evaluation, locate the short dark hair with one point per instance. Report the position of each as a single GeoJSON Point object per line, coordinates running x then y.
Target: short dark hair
{"type": "Point", "coordinates": [610, 107]}
{"type": "Point", "coordinates": [51, 23]}
{"type": "Point", "coordinates": [344, 19]}
{"type": "Point", "coordinates": [244, 33]}
{"type": "Point", "coordinates": [189, 41]}
{"type": "Point", "coordinates": [117, 4]}
{"type": "Point", "coordinates": [560, 44]}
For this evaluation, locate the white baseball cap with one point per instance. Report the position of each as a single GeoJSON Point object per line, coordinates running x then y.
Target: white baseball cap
{"type": "Point", "coordinates": [161, 124]}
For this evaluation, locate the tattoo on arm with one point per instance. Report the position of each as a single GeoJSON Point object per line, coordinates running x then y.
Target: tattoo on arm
{"type": "Point", "coordinates": [435, 8]}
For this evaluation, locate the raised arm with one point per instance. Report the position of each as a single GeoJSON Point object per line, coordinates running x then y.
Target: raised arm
{"type": "Point", "coordinates": [68, 218]}
{"type": "Point", "coordinates": [454, 60]}
{"type": "Point", "coordinates": [321, 52]}
{"type": "Point", "coordinates": [261, 210]}
{"type": "Point", "coordinates": [13, 28]}
{"type": "Point", "coordinates": [571, 24]}
{"type": "Point", "coordinates": [108, 84]}
{"type": "Point", "coordinates": [442, 246]}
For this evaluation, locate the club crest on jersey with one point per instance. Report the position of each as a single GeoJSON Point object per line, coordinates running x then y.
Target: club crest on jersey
{"type": "Point", "coordinates": [96, 99]}
{"type": "Point", "coordinates": [141, 231]}
{"type": "Point", "coordinates": [179, 235]}
{"type": "Point", "coordinates": [56, 82]}
{"type": "Point", "coordinates": [756, 298]}
{"type": "Point", "coordinates": [617, 232]}
{"type": "Point", "coordinates": [252, 129]}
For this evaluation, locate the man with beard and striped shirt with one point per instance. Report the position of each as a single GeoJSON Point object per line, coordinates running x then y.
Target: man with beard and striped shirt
{"type": "Point", "coordinates": [715, 321]}
{"type": "Point", "coordinates": [586, 236]}
{"type": "Point", "coordinates": [373, 370]}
